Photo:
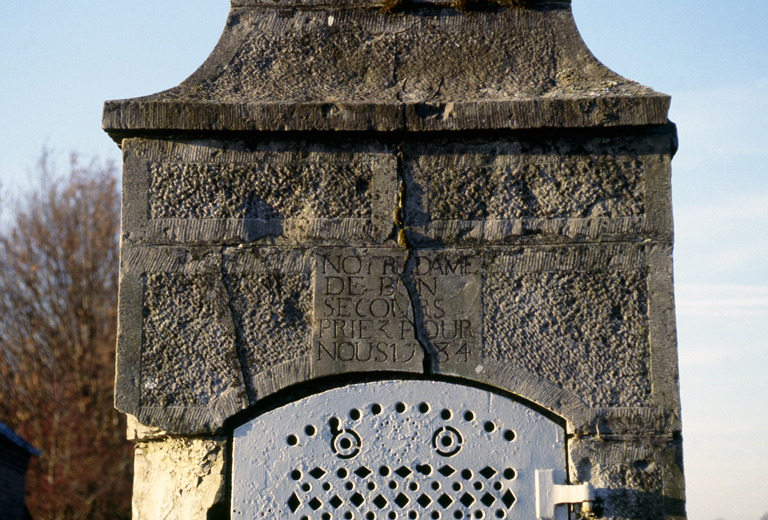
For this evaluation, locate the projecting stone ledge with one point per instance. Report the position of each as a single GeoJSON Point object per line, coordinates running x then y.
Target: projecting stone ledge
{"type": "Point", "coordinates": [303, 65]}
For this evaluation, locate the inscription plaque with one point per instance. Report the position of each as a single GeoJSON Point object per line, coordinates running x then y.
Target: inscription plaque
{"type": "Point", "coordinates": [447, 289]}
{"type": "Point", "coordinates": [385, 308]}
{"type": "Point", "coordinates": [363, 317]}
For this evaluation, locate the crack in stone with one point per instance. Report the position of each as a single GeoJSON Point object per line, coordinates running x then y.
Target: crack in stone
{"type": "Point", "coordinates": [430, 362]}
{"type": "Point", "coordinates": [239, 339]}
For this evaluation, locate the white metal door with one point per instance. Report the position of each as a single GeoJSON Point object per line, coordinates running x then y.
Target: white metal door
{"type": "Point", "coordinates": [394, 450]}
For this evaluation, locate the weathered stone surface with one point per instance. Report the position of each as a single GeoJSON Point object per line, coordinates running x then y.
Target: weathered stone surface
{"type": "Point", "coordinates": [543, 189]}
{"type": "Point", "coordinates": [539, 265]}
{"type": "Point", "coordinates": [189, 341]}
{"type": "Point", "coordinates": [634, 476]}
{"type": "Point", "coordinates": [363, 316]}
{"type": "Point", "coordinates": [137, 432]}
{"type": "Point", "coordinates": [586, 331]}
{"type": "Point", "coordinates": [362, 190]}
{"type": "Point", "coordinates": [297, 65]}
{"type": "Point", "coordinates": [211, 330]}
{"type": "Point", "coordinates": [178, 478]}
{"type": "Point", "coordinates": [537, 191]}
{"type": "Point", "coordinates": [446, 288]}
{"type": "Point", "coordinates": [260, 191]}
{"type": "Point", "coordinates": [273, 192]}
{"type": "Point", "coordinates": [273, 318]}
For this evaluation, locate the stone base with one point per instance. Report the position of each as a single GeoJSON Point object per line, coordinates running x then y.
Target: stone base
{"type": "Point", "coordinates": [179, 478]}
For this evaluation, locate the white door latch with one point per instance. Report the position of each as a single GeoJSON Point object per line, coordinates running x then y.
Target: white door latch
{"type": "Point", "coordinates": [550, 495]}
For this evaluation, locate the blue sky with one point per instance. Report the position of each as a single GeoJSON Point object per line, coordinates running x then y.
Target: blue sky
{"type": "Point", "coordinates": [61, 60]}
{"type": "Point", "coordinates": [711, 57]}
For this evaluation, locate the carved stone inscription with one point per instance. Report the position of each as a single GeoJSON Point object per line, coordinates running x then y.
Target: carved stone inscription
{"type": "Point", "coordinates": [364, 319]}
{"type": "Point", "coordinates": [362, 312]}
{"type": "Point", "coordinates": [447, 290]}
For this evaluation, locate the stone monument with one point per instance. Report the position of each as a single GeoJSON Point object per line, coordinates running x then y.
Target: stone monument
{"type": "Point", "coordinates": [399, 259]}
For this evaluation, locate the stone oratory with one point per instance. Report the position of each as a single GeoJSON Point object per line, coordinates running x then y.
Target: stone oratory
{"type": "Point", "coordinates": [399, 259]}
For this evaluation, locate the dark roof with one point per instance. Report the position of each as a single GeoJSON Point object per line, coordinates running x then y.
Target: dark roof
{"type": "Point", "coordinates": [10, 436]}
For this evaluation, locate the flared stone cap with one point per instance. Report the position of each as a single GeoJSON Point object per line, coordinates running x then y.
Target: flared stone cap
{"type": "Point", "coordinates": [393, 65]}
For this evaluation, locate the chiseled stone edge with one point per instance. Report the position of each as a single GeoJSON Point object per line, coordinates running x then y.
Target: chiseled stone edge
{"type": "Point", "coordinates": [630, 421]}
{"type": "Point", "coordinates": [625, 455]}
{"type": "Point", "coordinates": [544, 393]}
{"type": "Point", "coordinates": [374, 3]}
{"type": "Point", "coordinates": [569, 258]}
{"type": "Point", "coordinates": [619, 102]}
{"type": "Point", "coordinates": [129, 340]}
{"type": "Point", "coordinates": [294, 231]}
{"type": "Point", "coordinates": [193, 420]}
{"type": "Point", "coordinates": [129, 118]}
{"type": "Point", "coordinates": [281, 376]}
{"type": "Point", "coordinates": [137, 227]}
{"type": "Point", "coordinates": [538, 230]}
{"type": "Point", "coordinates": [662, 334]}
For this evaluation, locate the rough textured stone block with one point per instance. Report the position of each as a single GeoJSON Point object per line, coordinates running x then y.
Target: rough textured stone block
{"type": "Point", "coordinates": [537, 191]}
{"type": "Point", "coordinates": [584, 331]}
{"type": "Point", "coordinates": [273, 319]}
{"type": "Point", "coordinates": [274, 192]}
{"type": "Point", "coordinates": [309, 66]}
{"type": "Point", "coordinates": [178, 479]}
{"type": "Point", "coordinates": [189, 338]}
{"type": "Point", "coordinates": [638, 477]}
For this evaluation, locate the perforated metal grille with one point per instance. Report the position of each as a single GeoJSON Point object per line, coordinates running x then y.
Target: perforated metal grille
{"type": "Point", "coordinates": [393, 450]}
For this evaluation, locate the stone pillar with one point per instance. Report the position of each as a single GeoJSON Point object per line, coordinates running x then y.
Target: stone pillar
{"type": "Point", "coordinates": [453, 191]}
{"type": "Point", "coordinates": [177, 477]}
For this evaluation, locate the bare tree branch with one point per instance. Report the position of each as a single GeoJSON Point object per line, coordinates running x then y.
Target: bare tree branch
{"type": "Point", "coordinates": [58, 314]}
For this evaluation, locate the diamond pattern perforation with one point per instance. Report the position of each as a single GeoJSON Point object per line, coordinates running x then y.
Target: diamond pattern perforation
{"type": "Point", "coordinates": [393, 450]}
{"type": "Point", "coordinates": [407, 493]}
